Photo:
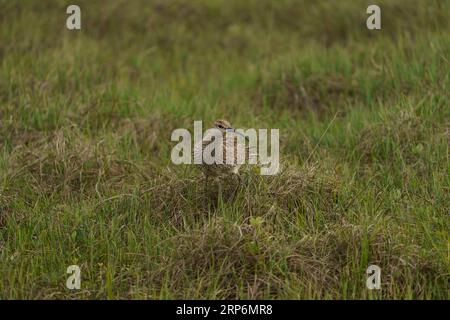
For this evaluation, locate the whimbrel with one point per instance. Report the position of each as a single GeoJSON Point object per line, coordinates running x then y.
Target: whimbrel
{"type": "Point", "coordinates": [230, 147]}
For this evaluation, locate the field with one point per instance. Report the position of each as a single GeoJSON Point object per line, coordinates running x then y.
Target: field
{"type": "Point", "coordinates": [85, 171]}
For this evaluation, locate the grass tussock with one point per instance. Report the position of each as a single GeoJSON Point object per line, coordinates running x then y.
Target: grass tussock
{"type": "Point", "coordinates": [68, 164]}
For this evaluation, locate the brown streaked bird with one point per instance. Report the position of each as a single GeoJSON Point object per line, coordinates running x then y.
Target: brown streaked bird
{"type": "Point", "coordinates": [230, 146]}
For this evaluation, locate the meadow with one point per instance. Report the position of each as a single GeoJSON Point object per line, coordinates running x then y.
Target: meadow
{"type": "Point", "coordinates": [85, 171]}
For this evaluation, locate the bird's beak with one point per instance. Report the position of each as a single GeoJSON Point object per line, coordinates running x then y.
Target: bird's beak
{"type": "Point", "coordinates": [234, 130]}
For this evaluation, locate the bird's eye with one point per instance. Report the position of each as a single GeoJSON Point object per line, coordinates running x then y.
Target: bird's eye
{"type": "Point", "coordinates": [220, 126]}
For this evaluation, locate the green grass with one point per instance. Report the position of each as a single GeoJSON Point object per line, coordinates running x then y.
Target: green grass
{"type": "Point", "coordinates": [85, 170]}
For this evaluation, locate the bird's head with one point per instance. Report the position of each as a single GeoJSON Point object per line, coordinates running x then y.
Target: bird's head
{"type": "Point", "coordinates": [223, 125]}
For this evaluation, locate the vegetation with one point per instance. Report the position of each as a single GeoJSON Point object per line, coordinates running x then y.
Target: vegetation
{"type": "Point", "coordinates": [85, 171]}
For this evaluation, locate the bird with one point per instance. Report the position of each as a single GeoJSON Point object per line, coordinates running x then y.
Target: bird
{"type": "Point", "coordinates": [230, 146]}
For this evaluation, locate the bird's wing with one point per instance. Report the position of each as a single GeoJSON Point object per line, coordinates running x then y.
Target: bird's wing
{"type": "Point", "coordinates": [236, 149]}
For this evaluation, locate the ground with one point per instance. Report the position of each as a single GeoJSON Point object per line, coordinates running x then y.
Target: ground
{"type": "Point", "coordinates": [85, 171]}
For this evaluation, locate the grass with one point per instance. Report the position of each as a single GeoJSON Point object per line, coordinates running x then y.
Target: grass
{"type": "Point", "coordinates": [85, 170]}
